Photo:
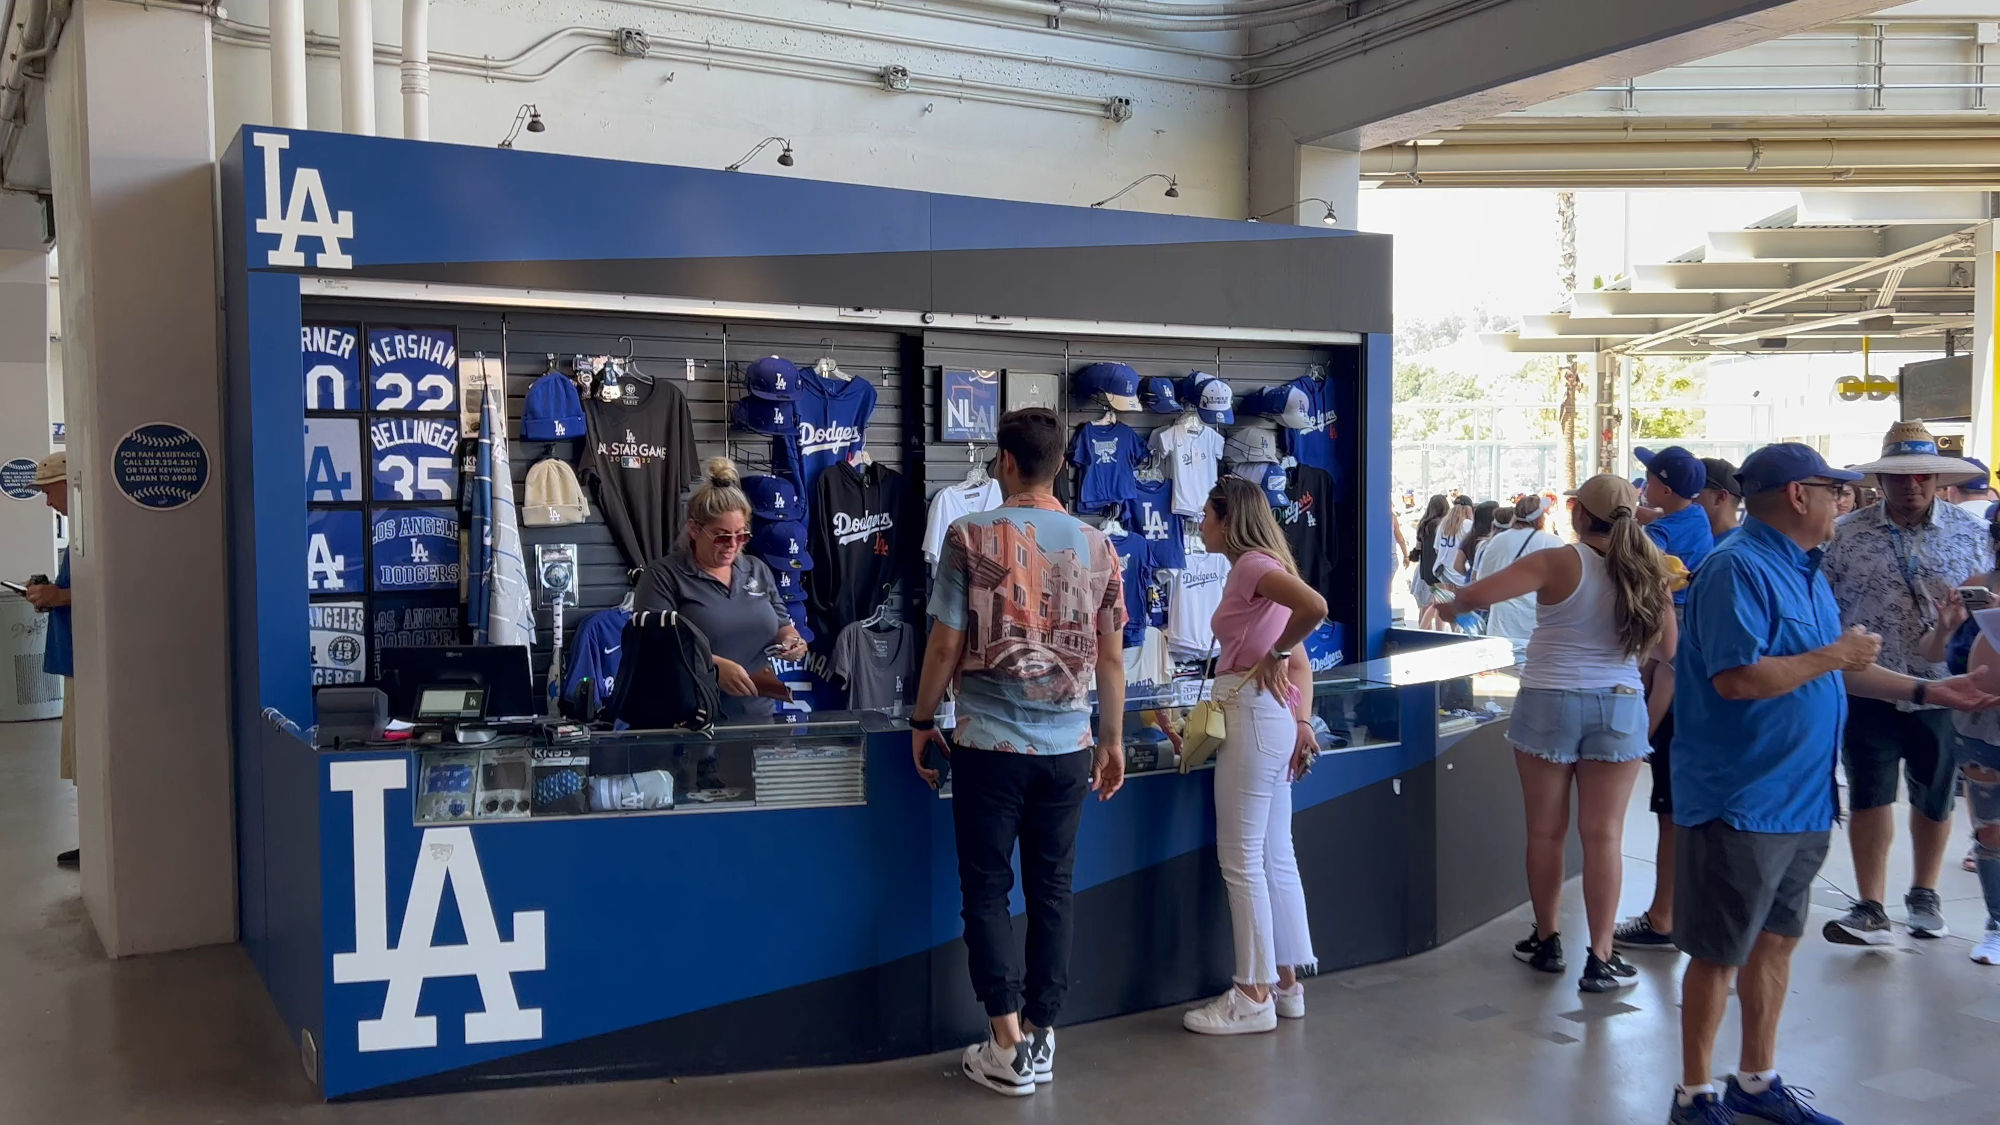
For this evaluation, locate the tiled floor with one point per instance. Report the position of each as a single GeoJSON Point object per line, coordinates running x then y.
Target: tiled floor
{"type": "Point", "coordinates": [1460, 1035]}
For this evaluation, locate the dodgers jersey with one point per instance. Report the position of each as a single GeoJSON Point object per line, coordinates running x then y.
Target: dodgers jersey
{"type": "Point", "coordinates": [414, 458]}
{"type": "Point", "coordinates": [332, 356]}
{"type": "Point", "coordinates": [413, 369]}
{"type": "Point", "coordinates": [415, 549]}
{"type": "Point", "coordinates": [833, 422]}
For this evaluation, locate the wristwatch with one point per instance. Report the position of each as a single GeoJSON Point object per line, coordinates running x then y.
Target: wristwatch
{"type": "Point", "coordinates": [1923, 688]}
{"type": "Point", "coordinates": [922, 724]}
{"type": "Point", "coordinates": [1282, 653]}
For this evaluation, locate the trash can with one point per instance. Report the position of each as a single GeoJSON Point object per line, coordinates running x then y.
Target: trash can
{"type": "Point", "coordinates": [26, 692]}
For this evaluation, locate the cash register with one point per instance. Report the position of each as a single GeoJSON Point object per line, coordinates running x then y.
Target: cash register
{"type": "Point", "coordinates": [458, 694]}
{"type": "Point", "coordinates": [451, 714]}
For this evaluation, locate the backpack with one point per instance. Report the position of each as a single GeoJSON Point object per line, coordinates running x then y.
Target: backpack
{"type": "Point", "coordinates": [666, 676]}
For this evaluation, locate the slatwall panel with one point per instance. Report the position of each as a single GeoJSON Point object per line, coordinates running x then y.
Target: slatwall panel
{"type": "Point", "coordinates": [661, 347]}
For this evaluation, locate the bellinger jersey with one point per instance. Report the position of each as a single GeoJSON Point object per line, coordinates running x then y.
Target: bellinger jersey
{"type": "Point", "coordinates": [833, 422]}
{"type": "Point", "coordinates": [639, 459]}
{"type": "Point", "coordinates": [853, 519]}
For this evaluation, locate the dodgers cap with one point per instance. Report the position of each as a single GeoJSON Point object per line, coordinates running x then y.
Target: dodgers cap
{"type": "Point", "coordinates": [1115, 382]}
{"type": "Point", "coordinates": [1677, 469]}
{"type": "Point", "coordinates": [773, 498]}
{"type": "Point", "coordinates": [553, 411]}
{"type": "Point", "coordinates": [1984, 478]}
{"type": "Point", "coordinates": [791, 583]}
{"type": "Point", "coordinates": [774, 378]}
{"type": "Point", "coordinates": [1780, 464]}
{"type": "Point", "coordinates": [782, 544]}
{"type": "Point", "coordinates": [1157, 395]}
{"type": "Point", "coordinates": [764, 416]}
{"type": "Point", "coordinates": [1254, 442]}
{"type": "Point", "coordinates": [1216, 403]}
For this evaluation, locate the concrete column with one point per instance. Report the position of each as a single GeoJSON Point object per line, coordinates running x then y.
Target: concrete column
{"type": "Point", "coordinates": [135, 221]}
{"type": "Point", "coordinates": [1983, 441]}
{"type": "Point", "coordinates": [1283, 171]}
{"type": "Point", "coordinates": [27, 528]}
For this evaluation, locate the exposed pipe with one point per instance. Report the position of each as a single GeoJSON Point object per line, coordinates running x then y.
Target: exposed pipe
{"type": "Point", "coordinates": [357, 67]}
{"type": "Point", "coordinates": [1743, 156]}
{"type": "Point", "coordinates": [288, 64]}
{"type": "Point", "coordinates": [1107, 16]}
{"type": "Point", "coordinates": [417, 69]}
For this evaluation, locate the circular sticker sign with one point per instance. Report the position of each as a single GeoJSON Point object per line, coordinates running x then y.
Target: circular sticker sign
{"type": "Point", "coordinates": [160, 466]}
{"type": "Point", "coordinates": [17, 479]}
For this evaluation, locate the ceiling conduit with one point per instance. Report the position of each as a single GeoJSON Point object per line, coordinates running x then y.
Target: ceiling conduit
{"type": "Point", "coordinates": [1747, 155]}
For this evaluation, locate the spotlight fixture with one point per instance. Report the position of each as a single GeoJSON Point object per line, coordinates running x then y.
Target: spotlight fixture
{"type": "Point", "coordinates": [784, 154]}
{"type": "Point", "coordinates": [1173, 187]}
{"type": "Point", "coordinates": [1329, 218]}
{"type": "Point", "coordinates": [527, 117]}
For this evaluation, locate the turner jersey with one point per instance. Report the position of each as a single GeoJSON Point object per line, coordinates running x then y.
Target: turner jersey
{"type": "Point", "coordinates": [414, 458]}
{"type": "Point", "coordinates": [413, 369]}
{"type": "Point", "coordinates": [333, 461]}
{"type": "Point", "coordinates": [1150, 513]}
{"type": "Point", "coordinates": [415, 549]}
{"type": "Point", "coordinates": [334, 555]}
{"type": "Point", "coordinates": [333, 367]}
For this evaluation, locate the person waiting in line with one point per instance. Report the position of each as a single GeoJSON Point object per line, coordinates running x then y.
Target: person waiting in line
{"type": "Point", "coordinates": [51, 479]}
{"type": "Point", "coordinates": [731, 596]}
{"type": "Point", "coordinates": [1766, 670]}
{"type": "Point", "coordinates": [1514, 618]}
{"type": "Point", "coordinates": [1423, 584]}
{"type": "Point", "coordinates": [1579, 719]}
{"type": "Point", "coordinates": [1956, 643]}
{"type": "Point", "coordinates": [1974, 493]}
{"type": "Point", "coordinates": [1890, 564]}
{"type": "Point", "coordinates": [1721, 498]}
{"type": "Point", "coordinates": [1021, 756]}
{"type": "Point", "coordinates": [1449, 532]}
{"type": "Point", "coordinates": [1675, 479]}
{"type": "Point", "coordinates": [1485, 515]}
{"type": "Point", "coordinates": [1265, 684]}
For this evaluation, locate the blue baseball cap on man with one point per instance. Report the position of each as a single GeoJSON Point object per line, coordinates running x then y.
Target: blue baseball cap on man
{"type": "Point", "coordinates": [1116, 383]}
{"type": "Point", "coordinates": [1776, 466]}
{"type": "Point", "coordinates": [774, 378]}
{"type": "Point", "coordinates": [1676, 468]}
{"type": "Point", "coordinates": [1980, 482]}
{"type": "Point", "coordinates": [554, 410]}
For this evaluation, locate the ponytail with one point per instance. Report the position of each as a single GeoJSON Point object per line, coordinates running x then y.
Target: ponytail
{"type": "Point", "coordinates": [1639, 577]}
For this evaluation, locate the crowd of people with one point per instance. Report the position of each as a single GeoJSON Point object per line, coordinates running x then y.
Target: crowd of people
{"type": "Point", "coordinates": [1753, 632]}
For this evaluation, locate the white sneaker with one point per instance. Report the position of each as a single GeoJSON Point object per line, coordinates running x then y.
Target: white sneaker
{"type": "Point", "coordinates": [1987, 952]}
{"type": "Point", "coordinates": [1042, 1054]}
{"type": "Point", "coordinates": [1231, 1013]}
{"type": "Point", "coordinates": [1002, 1070]}
{"type": "Point", "coordinates": [1291, 1005]}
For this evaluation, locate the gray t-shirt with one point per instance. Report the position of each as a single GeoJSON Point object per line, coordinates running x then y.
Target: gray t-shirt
{"type": "Point", "coordinates": [741, 619]}
{"type": "Point", "coordinates": [876, 665]}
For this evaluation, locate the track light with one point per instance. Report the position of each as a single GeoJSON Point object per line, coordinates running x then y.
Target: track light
{"type": "Point", "coordinates": [784, 154]}
{"type": "Point", "coordinates": [1173, 187]}
{"type": "Point", "coordinates": [529, 117]}
{"type": "Point", "coordinates": [1330, 219]}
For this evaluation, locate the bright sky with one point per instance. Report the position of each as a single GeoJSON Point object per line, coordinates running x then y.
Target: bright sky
{"type": "Point", "coordinates": [1459, 249]}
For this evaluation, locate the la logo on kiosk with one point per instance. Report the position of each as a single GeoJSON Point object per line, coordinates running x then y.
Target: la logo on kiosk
{"type": "Point", "coordinates": [446, 855]}
{"type": "Point", "coordinates": [304, 214]}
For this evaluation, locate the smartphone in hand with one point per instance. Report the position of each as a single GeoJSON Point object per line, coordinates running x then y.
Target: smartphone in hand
{"type": "Point", "coordinates": [1975, 597]}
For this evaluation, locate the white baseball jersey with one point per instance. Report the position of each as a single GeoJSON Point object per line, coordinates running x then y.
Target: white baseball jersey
{"type": "Point", "coordinates": [951, 502]}
{"type": "Point", "coordinates": [1193, 593]}
{"type": "Point", "coordinates": [1189, 460]}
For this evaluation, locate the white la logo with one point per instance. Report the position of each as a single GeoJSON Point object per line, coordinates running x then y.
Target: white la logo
{"type": "Point", "coordinates": [419, 553]}
{"type": "Point", "coordinates": [293, 221]}
{"type": "Point", "coordinates": [446, 855]}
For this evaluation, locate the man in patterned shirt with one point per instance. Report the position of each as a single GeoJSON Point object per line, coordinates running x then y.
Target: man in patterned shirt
{"type": "Point", "coordinates": [1027, 615]}
{"type": "Point", "coordinates": [1890, 565]}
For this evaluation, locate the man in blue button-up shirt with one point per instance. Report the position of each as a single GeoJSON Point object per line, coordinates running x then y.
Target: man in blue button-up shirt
{"type": "Point", "coordinates": [1763, 675]}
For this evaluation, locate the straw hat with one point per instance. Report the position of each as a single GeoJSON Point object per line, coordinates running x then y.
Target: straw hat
{"type": "Point", "coordinates": [1909, 448]}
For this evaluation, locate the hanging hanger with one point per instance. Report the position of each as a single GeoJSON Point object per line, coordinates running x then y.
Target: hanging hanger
{"type": "Point", "coordinates": [975, 477]}
{"type": "Point", "coordinates": [1191, 421]}
{"type": "Point", "coordinates": [631, 364]}
{"type": "Point", "coordinates": [1110, 416]}
{"type": "Point", "coordinates": [829, 367]}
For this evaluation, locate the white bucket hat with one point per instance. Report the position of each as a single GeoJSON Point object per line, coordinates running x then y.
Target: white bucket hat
{"type": "Point", "coordinates": [1909, 448]}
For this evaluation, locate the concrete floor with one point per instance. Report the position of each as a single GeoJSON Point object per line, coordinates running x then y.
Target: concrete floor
{"type": "Point", "coordinates": [1462, 1035]}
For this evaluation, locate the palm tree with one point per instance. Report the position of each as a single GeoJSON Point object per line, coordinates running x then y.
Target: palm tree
{"type": "Point", "coordinates": [1572, 378]}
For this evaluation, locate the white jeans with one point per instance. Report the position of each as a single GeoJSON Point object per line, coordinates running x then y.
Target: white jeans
{"type": "Point", "coordinates": [1253, 834]}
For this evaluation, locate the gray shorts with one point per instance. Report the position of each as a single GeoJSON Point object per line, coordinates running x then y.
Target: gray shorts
{"type": "Point", "coordinates": [1563, 727]}
{"type": "Point", "coordinates": [1730, 886]}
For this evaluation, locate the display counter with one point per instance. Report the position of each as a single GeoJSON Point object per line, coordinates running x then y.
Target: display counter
{"type": "Point", "coordinates": [645, 903]}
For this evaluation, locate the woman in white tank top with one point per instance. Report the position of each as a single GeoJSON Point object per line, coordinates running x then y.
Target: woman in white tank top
{"type": "Point", "coordinates": [1580, 717]}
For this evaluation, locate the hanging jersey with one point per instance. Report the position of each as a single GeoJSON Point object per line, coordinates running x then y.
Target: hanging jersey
{"type": "Point", "coordinates": [1105, 456]}
{"type": "Point", "coordinates": [1150, 513]}
{"type": "Point", "coordinates": [833, 423]}
{"type": "Point", "coordinates": [1135, 570]}
{"type": "Point", "coordinates": [639, 459]}
{"type": "Point", "coordinates": [1314, 445]}
{"type": "Point", "coordinates": [1193, 593]}
{"type": "Point", "coordinates": [1309, 526]}
{"type": "Point", "coordinates": [951, 502]}
{"type": "Point", "coordinates": [413, 369]}
{"type": "Point", "coordinates": [1189, 459]}
{"type": "Point", "coordinates": [415, 549]}
{"type": "Point", "coordinates": [853, 543]}
{"type": "Point", "coordinates": [595, 659]}
{"type": "Point", "coordinates": [414, 458]}
{"type": "Point", "coordinates": [876, 665]}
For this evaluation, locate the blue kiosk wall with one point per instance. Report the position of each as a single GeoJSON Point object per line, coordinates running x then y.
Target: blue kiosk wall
{"type": "Point", "coordinates": [659, 945]}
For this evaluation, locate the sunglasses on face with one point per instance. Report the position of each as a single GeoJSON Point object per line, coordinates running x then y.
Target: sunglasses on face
{"type": "Point", "coordinates": [723, 538]}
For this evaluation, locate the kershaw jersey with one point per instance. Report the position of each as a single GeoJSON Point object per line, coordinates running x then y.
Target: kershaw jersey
{"type": "Point", "coordinates": [1150, 513]}
{"type": "Point", "coordinates": [414, 458]}
{"type": "Point", "coordinates": [639, 458]}
{"type": "Point", "coordinates": [413, 369]}
{"type": "Point", "coordinates": [833, 422]}
{"type": "Point", "coordinates": [415, 549]}
{"type": "Point", "coordinates": [1105, 457]}
{"type": "Point", "coordinates": [853, 545]}
{"type": "Point", "coordinates": [333, 367]}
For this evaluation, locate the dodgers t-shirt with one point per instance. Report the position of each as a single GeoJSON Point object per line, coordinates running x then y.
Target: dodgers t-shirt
{"type": "Point", "coordinates": [1150, 513]}
{"type": "Point", "coordinates": [1313, 446]}
{"type": "Point", "coordinates": [1106, 455]}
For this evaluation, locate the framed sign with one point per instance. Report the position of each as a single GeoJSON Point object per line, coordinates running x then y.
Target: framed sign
{"type": "Point", "coordinates": [969, 405]}
{"type": "Point", "coordinates": [1033, 388]}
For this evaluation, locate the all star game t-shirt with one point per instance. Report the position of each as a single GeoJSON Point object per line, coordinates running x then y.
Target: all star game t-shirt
{"type": "Point", "coordinates": [639, 459]}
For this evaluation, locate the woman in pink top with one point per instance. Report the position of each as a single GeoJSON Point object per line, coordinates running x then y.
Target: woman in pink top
{"type": "Point", "coordinates": [1266, 687]}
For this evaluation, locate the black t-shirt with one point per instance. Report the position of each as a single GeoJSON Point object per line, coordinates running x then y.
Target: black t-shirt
{"type": "Point", "coordinates": [639, 459]}
{"type": "Point", "coordinates": [853, 542]}
{"type": "Point", "coordinates": [1309, 525]}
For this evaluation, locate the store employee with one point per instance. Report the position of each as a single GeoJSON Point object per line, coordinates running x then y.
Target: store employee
{"type": "Point", "coordinates": [730, 596]}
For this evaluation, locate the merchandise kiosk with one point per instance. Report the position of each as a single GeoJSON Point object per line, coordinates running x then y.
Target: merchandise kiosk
{"type": "Point", "coordinates": [531, 907]}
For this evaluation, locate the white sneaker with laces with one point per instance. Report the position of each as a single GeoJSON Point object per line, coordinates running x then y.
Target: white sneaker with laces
{"type": "Point", "coordinates": [1003, 1070]}
{"type": "Point", "coordinates": [1231, 1013]}
{"type": "Point", "coordinates": [1291, 1004]}
{"type": "Point", "coordinates": [1987, 952]}
{"type": "Point", "coordinates": [1042, 1054]}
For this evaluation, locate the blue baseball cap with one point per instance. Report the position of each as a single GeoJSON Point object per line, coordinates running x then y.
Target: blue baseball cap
{"type": "Point", "coordinates": [791, 583]}
{"type": "Point", "coordinates": [774, 378]}
{"type": "Point", "coordinates": [1214, 401]}
{"type": "Point", "coordinates": [1676, 468]}
{"type": "Point", "coordinates": [1157, 395]}
{"type": "Point", "coordinates": [1189, 388]}
{"type": "Point", "coordinates": [773, 498]}
{"type": "Point", "coordinates": [1776, 466]}
{"type": "Point", "coordinates": [554, 410]}
{"type": "Point", "coordinates": [1117, 383]}
{"type": "Point", "coordinates": [782, 544]}
{"type": "Point", "coordinates": [1983, 480]}
{"type": "Point", "coordinates": [765, 416]}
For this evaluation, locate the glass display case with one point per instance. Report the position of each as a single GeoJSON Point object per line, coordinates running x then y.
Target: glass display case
{"type": "Point", "coordinates": [1350, 713]}
{"type": "Point", "coordinates": [763, 766]}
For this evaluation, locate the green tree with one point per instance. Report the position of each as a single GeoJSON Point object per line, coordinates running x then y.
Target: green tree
{"type": "Point", "coordinates": [1663, 380]}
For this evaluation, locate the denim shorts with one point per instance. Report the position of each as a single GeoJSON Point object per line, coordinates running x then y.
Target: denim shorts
{"type": "Point", "coordinates": [1565, 727]}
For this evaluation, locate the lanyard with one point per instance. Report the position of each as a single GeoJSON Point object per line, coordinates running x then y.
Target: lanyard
{"type": "Point", "coordinates": [1906, 563]}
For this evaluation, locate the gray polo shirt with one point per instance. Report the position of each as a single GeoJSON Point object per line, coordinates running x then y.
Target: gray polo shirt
{"type": "Point", "coordinates": [741, 619]}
